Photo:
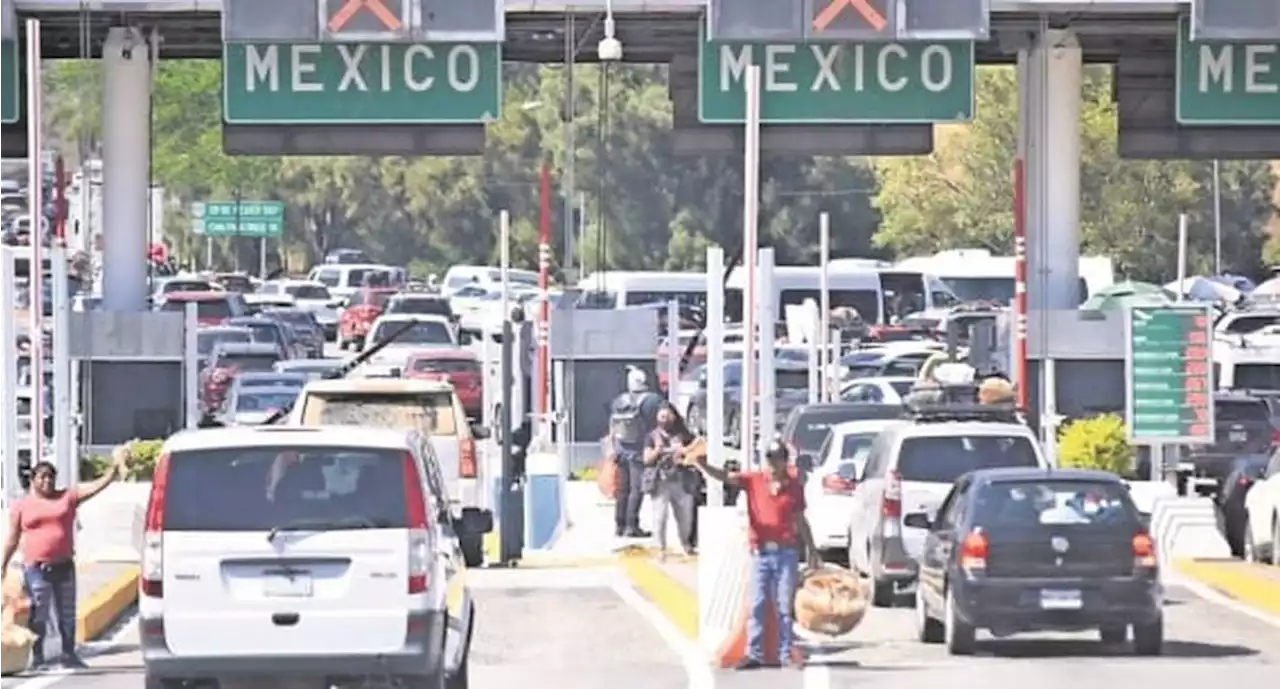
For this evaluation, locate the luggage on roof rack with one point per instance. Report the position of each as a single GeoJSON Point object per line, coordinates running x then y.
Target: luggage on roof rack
{"type": "Point", "coordinates": [937, 413]}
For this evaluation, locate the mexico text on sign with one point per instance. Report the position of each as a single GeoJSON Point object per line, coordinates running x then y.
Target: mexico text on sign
{"type": "Point", "coordinates": [10, 84]}
{"type": "Point", "coordinates": [354, 83]}
{"type": "Point", "coordinates": [1227, 82]}
{"type": "Point", "coordinates": [243, 219]}
{"type": "Point", "coordinates": [1169, 374]}
{"type": "Point", "coordinates": [827, 83]}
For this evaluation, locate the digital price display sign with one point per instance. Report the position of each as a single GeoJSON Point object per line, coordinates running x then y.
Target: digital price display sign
{"type": "Point", "coordinates": [1169, 374]}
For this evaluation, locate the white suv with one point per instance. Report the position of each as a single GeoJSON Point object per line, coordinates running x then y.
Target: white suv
{"type": "Point", "coordinates": [910, 468]}
{"type": "Point", "coordinates": [320, 554]}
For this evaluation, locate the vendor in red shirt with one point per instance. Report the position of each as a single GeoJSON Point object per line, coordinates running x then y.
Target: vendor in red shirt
{"type": "Point", "coordinates": [777, 533]}
{"type": "Point", "coordinates": [43, 522]}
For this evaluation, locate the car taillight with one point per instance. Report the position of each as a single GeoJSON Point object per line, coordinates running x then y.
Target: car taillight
{"type": "Point", "coordinates": [467, 458]}
{"type": "Point", "coordinates": [1244, 481]}
{"type": "Point", "coordinates": [1144, 551]}
{"type": "Point", "coordinates": [151, 580]}
{"type": "Point", "coordinates": [973, 551]}
{"type": "Point", "coordinates": [1275, 437]}
{"type": "Point", "coordinates": [835, 484]}
{"type": "Point", "coordinates": [891, 503]}
{"type": "Point", "coordinates": [415, 503]}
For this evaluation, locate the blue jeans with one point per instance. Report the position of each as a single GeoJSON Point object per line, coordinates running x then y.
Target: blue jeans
{"type": "Point", "coordinates": [52, 598]}
{"type": "Point", "coordinates": [773, 579]}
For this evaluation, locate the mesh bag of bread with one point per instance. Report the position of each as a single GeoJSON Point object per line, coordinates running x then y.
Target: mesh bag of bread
{"type": "Point", "coordinates": [15, 648]}
{"type": "Point", "coordinates": [831, 601]}
{"type": "Point", "coordinates": [997, 391]}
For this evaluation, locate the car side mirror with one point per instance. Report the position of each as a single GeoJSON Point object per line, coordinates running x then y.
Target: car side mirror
{"type": "Point", "coordinates": [917, 520]}
{"type": "Point", "coordinates": [464, 338]}
{"type": "Point", "coordinates": [479, 432]}
{"type": "Point", "coordinates": [475, 522]}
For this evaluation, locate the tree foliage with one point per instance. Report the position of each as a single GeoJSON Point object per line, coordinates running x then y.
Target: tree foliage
{"type": "Point", "coordinates": [646, 207]}
{"type": "Point", "coordinates": [962, 194]}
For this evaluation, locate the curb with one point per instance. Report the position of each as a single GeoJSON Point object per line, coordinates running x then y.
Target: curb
{"type": "Point", "coordinates": [1234, 580]}
{"type": "Point", "coordinates": [106, 605]}
{"type": "Point", "coordinates": [676, 602]}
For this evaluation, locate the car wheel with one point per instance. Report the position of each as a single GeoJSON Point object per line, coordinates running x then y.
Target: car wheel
{"type": "Point", "coordinates": [1237, 537]}
{"type": "Point", "coordinates": [1115, 634]}
{"type": "Point", "coordinates": [1148, 639]}
{"type": "Point", "coordinates": [461, 678]}
{"type": "Point", "coordinates": [472, 551]}
{"type": "Point", "coordinates": [882, 594]}
{"type": "Point", "coordinates": [928, 630]}
{"type": "Point", "coordinates": [959, 636]}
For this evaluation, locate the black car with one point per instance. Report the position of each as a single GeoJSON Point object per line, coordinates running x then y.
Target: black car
{"type": "Point", "coordinates": [1242, 426]}
{"type": "Point", "coordinates": [304, 325]}
{"type": "Point", "coordinates": [791, 383]}
{"type": "Point", "coordinates": [807, 425]}
{"type": "Point", "coordinates": [272, 332]}
{"type": "Point", "coordinates": [1022, 550]}
{"type": "Point", "coordinates": [1245, 471]}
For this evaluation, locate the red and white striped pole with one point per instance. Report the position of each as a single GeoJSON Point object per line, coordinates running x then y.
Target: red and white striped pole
{"type": "Point", "coordinates": [543, 323]}
{"type": "Point", "coordinates": [1020, 375]}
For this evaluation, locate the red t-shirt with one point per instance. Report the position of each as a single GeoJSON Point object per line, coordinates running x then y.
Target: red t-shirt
{"type": "Point", "coordinates": [772, 518]}
{"type": "Point", "coordinates": [47, 526]}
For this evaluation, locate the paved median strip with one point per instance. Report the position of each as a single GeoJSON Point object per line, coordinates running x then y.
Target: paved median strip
{"type": "Point", "coordinates": [106, 604]}
{"type": "Point", "coordinates": [1250, 584]}
{"type": "Point", "coordinates": [676, 601]}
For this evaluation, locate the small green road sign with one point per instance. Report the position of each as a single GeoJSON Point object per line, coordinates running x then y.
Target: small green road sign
{"type": "Point", "coordinates": [361, 83]}
{"type": "Point", "coordinates": [839, 83]}
{"type": "Point", "coordinates": [243, 219]}
{"type": "Point", "coordinates": [10, 83]}
{"type": "Point", "coordinates": [1169, 374]}
{"type": "Point", "coordinates": [1227, 82]}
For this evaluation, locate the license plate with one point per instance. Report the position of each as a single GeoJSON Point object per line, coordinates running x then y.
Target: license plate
{"type": "Point", "coordinates": [1058, 599]}
{"type": "Point", "coordinates": [276, 586]}
{"type": "Point", "coordinates": [1238, 436]}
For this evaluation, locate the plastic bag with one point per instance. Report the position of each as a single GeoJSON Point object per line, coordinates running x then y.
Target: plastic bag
{"type": "Point", "coordinates": [831, 601]}
{"type": "Point", "coordinates": [607, 477]}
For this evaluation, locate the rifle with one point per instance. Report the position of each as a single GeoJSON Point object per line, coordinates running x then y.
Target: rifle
{"type": "Point", "coordinates": [673, 334]}
{"type": "Point", "coordinates": [344, 370]}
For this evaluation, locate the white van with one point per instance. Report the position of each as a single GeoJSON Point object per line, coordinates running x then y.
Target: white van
{"type": "Point", "coordinates": [289, 555]}
{"type": "Point", "coordinates": [877, 293]}
{"type": "Point", "coordinates": [976, 275]}
{"type": "Point", "coordinates": [344, 279]}
{"type": "Point", "coordinates": [616, 289]}
{"type": "Point", "coordinates": [485, 277]}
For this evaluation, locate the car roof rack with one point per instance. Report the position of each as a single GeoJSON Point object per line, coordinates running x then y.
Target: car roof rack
{"type": "Point", "coordinates": [943, 412]}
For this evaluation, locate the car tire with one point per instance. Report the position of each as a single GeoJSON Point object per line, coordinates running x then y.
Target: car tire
{"type": "Point", "coordinates": [960, 637]}
{"type": "Point", "coordinates": [461, 678]}
{"type": "Point", "coordinates": [472, 551]}
{"type": "Point", "coordinates": [883, 594]}
{"type": "Point", "coordinates": [1148, 639]}
{"type": "Point", "coordinates": [928, 629]}
{"type": "Point", "coordinates": [1114, 634]}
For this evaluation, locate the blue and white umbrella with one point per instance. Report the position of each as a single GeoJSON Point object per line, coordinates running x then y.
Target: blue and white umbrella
{"type": "Point", "coordinates": [1201, 288]}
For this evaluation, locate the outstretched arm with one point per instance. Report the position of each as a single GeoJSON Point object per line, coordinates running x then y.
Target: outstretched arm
{"type": "Point", "coordinates": [119, 464]}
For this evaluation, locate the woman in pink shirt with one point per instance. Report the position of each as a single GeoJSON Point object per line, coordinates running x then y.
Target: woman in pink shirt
{"type": "Point", "coordinates": [44, 523]}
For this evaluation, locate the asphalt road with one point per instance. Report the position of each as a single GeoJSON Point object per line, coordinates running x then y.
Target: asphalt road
{"type": "Point", "coordinates": [568, 629]}
{"type": "Point", "coordinates": [1206, 644]}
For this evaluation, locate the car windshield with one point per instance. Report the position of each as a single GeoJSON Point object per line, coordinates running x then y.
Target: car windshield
{"type": "Point", "coordinates": [1240, 410]}
{"type": "Point", "coordinates": [788, 379]}
{"type": "Point", "coordinates": [307, 291]}
{"type": "Point", "coordinates": [1243, 325]}
{"type": "Point", "coordinates": [943, 459]}
{"type": "Point", "coordinates": [301, 318]}
{"type": "Point", "coordinates": [205, 308]}
{"type": "Point", "coordinates": [317, 366]}
{"type": "Point", "coordinates": [269, 381]}
{"type": "Point", "coordinates": [266, 400]}
{"type": "Point", "coordinates": [1057, 503]}
{"type": "Point", "coordinates": [236, 283]}
{"type": "Point", "coordinates": [265, 332]}
{"type": "Point", "coordinates": [430, 412]}
{"type": "Point", "coordinates": [1257, 376]}
{"type": "Point", "coordinates": [431, 306]}
{"type": "Point", "coordinates": [188, 286]}
{"type": "Point", "coordinates": [206, 341]}
{"type": "Point", "coordinates": [424, 332]}
{"type": "Point", "coordinates": [250, 362]}
{"type": "Point", "coordinates": [274, 489]}
{"type": "Point", "coordinates": [809, 427]}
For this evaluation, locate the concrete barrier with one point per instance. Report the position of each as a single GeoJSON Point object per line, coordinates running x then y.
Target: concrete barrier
{"type": "Point", "coordinates": [1186, 528]}
{"type": "Point", "coordinates": [110, 525]}
{"type": "Point", "coordinates": [1146, 493]}
{"type": "Point", "coordinates": [544, 499]}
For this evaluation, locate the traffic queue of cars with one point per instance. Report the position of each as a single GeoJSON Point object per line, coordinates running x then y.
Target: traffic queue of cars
{"type": "Point", "coordinates": [957, 506]}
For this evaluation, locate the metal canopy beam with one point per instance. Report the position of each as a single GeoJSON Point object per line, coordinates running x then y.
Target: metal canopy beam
{"type": "Point", "coordinates": [1235, 20]}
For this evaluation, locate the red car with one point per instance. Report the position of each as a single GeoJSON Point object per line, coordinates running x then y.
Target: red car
{"type": "Point", "coordinates": [362, 309]}
{"type": "Point", "coordinates": [458, 366]}
{"type": "Point", "coordinates": [212, 308]}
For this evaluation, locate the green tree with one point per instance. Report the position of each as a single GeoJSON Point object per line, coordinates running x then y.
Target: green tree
{"type": "Point", "coordinates": [961, 195]}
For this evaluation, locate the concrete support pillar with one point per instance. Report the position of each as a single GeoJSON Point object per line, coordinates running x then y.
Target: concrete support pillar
{"type": "Point", "coordinates": [126, 162]}
{"type": "Point", "coordinates": [1049, 75]}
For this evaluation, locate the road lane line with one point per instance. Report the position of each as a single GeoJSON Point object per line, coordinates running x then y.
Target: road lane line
{"type": "Point", "coordinates": [696, 666]}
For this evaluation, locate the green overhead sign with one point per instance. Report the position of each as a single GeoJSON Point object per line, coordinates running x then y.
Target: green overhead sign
{"type": "Point", "coordinates": [361, 83]}
{"type": "Point", "coordinates": [835, 83]}
{"type": "Point", "coordinates": [1169, 374]}
{"type": "Point", "coordinates": [1227, 82]}
{"type": "Point", "coordinates": [242, 219]}
{"type": "Point", "coordinates": [10, 83]}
